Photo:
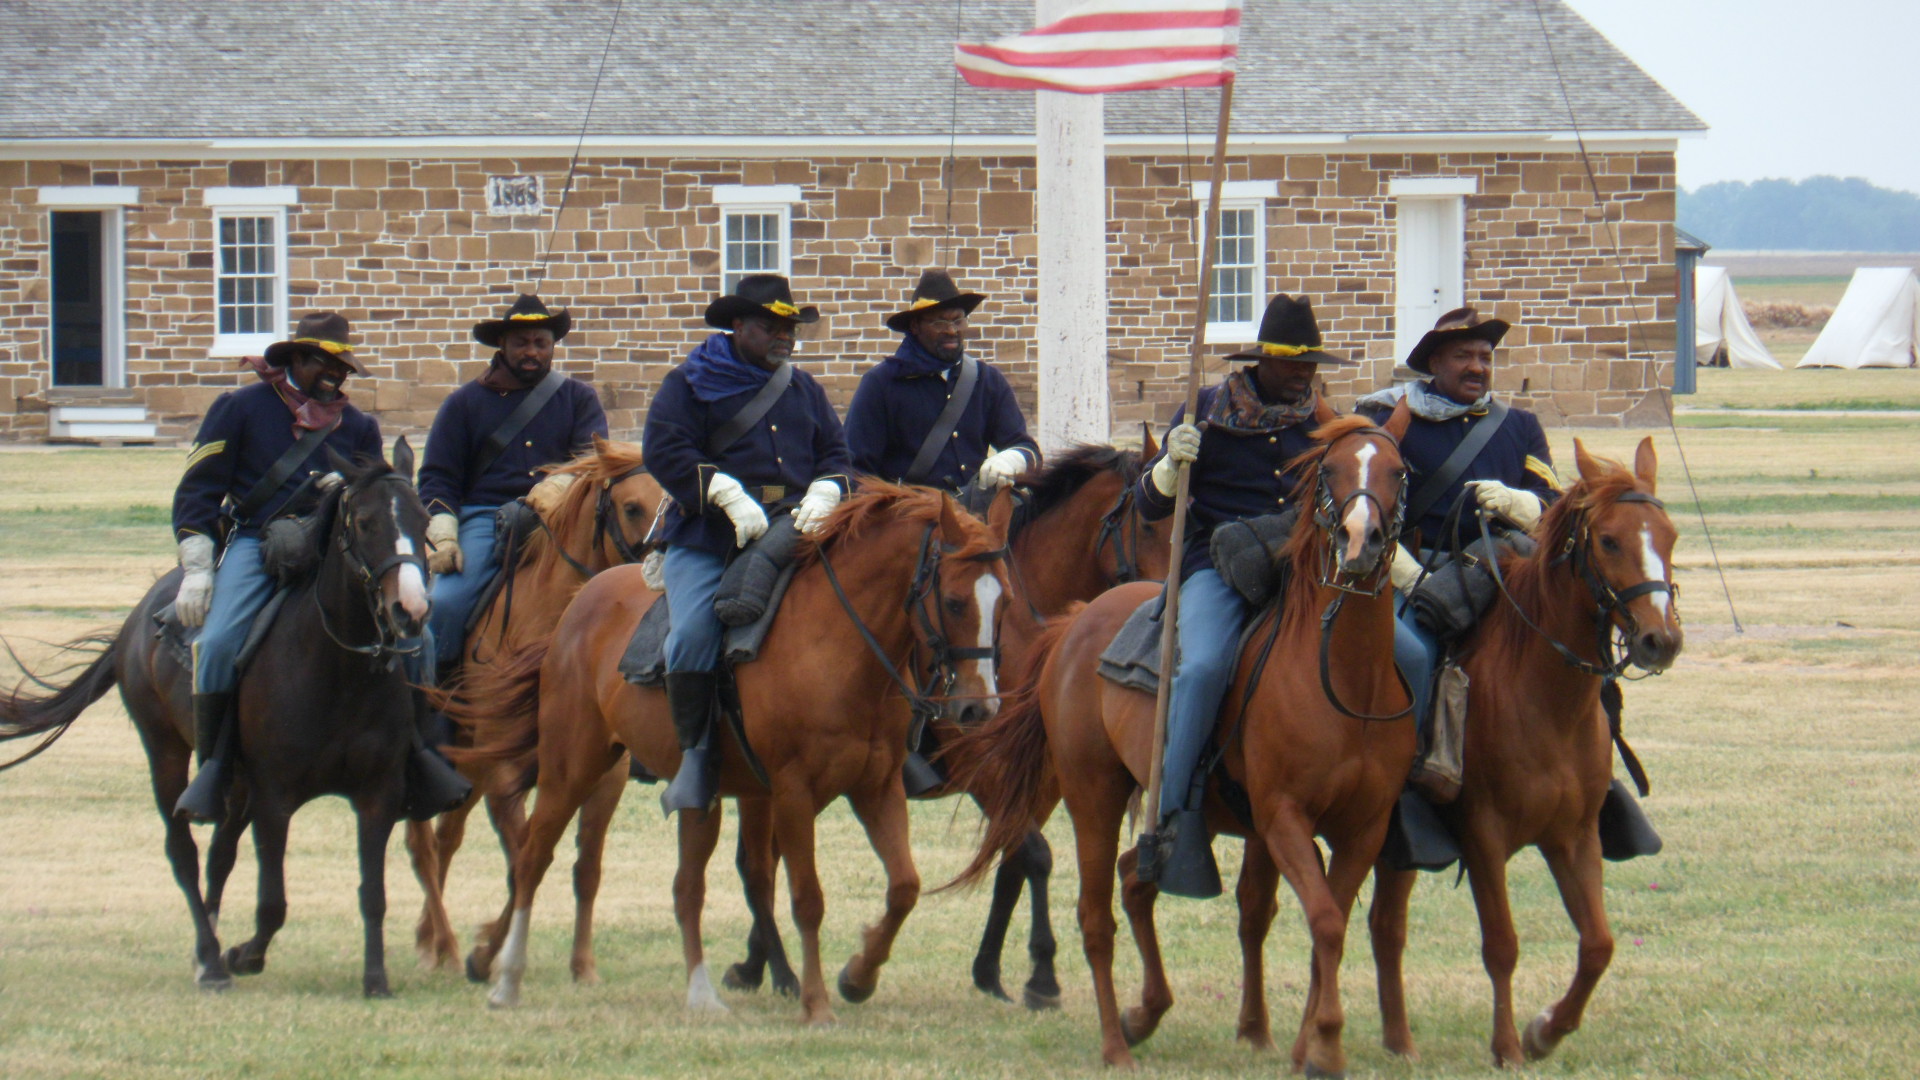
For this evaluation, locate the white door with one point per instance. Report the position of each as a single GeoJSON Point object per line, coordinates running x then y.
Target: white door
{"type": "Point", "coordinates": [1428, 267]}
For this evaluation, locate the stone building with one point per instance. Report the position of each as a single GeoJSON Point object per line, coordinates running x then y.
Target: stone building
{"type": "Point", "coordinates": [179, 179]}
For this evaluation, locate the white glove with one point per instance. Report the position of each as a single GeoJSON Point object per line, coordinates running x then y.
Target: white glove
{"type": "Point", "coordinates": [328, 481]}
{"type": "Point", "coordinates": [1003, 468]}
{"type": "Point", "coordinates": [821, 497]}
{"type": "Point", "coordinates": [653, 570]}
{"type": "Point", "coordinates": [443, 536]}
{"type": "Point", "coordinates": [1520, 507]}
{"type": "Point", "coordinates": [1405, 568]}
{"type": "Point", "coordinates": [749, 520]}
{"type": "Point", "coordinates": [196, 588]}
{"type": "Point", "coordinates": [1183, 447]}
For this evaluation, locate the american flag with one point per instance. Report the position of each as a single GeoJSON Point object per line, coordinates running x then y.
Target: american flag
{"type": "Point", "coordinates": [1109, 45]}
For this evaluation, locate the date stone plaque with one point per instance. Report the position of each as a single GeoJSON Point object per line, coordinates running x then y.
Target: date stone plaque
{"type": "Point", "coordinates": [514, 195]}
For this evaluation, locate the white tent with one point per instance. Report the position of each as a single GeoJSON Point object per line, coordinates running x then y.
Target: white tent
{"type": "Point", "coordinates": [1876, 325]}
{"type": "Point", "coordinates": [1719, 321]}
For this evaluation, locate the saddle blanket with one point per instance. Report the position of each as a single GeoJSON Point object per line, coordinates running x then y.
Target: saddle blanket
{"type": "Point", "coordinates": [1132, 659]}
{"type": "Point", "coordinates": [179, 639]}
{"type": "Point", "coordinates": [645, 661]}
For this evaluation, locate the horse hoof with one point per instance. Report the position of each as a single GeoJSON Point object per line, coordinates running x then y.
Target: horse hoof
{"type": "Point", "coordinates": [476, 972]}
{"type": "Point", "coordinates": [1039, 1000]}
{"type": "Point", "coordinates": [376, 989]}
{"type": "Point", "coordinates": [213, 984]}
{"type": "Point", "coordinates": [240, 964]}
{"type": "Point", "coordinates": [740, 977]}
{"type": "Point", "coordinates": [1536, 1041]}
{"type": "Point", "coordinates": [993, 990]}
{"type": "Point", "coordinates": [786, 985]}
{"type": "Point", "coordinates": [503, 998]}
{"type": "Point", "coordinates": [853, 993]}
{"type": "Point", "coordinates": [1134, 1029]}
{"type": "Point", "coordinates": [1257, 1041]}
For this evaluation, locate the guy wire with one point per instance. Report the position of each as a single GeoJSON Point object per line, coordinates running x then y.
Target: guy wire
{"type": "Point", "coordinates": [1620, 264]}
{"type": "Point", "coordinates": [566, 189]}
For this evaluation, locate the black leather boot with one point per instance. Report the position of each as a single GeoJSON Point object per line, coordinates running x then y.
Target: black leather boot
{"type": "Point", "coordinates": [1625, 832]}
{"type": "Point", "coordinates": [1190, 870]}
{"type": "Point", "coordinates": [1417, 838]}
{"type": "Point", "coordinates": [434, 786]}
{"type": "Point", "coordinates": [690, 699]}
{"type": "Point", "coordinates": [920, 776]}
{"type": "Point", "coordinates": [205, 800]}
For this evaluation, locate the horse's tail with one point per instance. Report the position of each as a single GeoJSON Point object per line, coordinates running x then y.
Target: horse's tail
{"type": "Point", "coordinates": [1003, 762]}
{"type": "Point", "coordinates": [499, 703]}
{"type": "Point", "coordinates": [24, 713]}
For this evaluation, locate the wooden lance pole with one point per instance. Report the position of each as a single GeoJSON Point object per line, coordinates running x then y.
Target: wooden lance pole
{"type": "Point", "coordinates": [1171, 613]}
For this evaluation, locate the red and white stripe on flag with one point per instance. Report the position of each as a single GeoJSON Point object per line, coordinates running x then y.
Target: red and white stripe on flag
{"type": "Point", "coordinates": [1109, 45]}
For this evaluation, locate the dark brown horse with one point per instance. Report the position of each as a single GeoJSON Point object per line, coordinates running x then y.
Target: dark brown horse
{"type": "Point", "coordinates": [1308, 764]}
{"type": "Point", "coordinates": [1539, 753]}
{"type": "Point", "coordinates": [1085, 534]}
{"type": "Point", "coordinates": [892, 580]}
{"type": "Point", "coordinates": [599, 520]}
{"type": "Point", "coordinates": [324, 708]}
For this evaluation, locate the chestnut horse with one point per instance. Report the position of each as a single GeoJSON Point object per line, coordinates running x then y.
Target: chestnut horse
{"type": "Point", "coordinates": [599, 520]}
{"type": "Point", "coordinates": [891, 579]}
{"type": "Point", "coordinates": [324, 709]}
{"type": "Point", "coordinates": [1085, 535]}
{"type": "Point", "coordinates": [1539, 753]}
{"type": "Point", "coordinates": [1305, 750]}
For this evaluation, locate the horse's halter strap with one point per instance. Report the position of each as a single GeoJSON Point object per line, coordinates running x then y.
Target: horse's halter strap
{"type": "Point", "coordinates": [1327, 515]}
{"type": "Point", "coordinates": [604, 528]}
{"type": "Point", "coordinates": [386, 649]}
{"type": "Point", "coordinates": [1121, 526]}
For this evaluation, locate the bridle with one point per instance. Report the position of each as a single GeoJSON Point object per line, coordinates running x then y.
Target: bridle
{"type": "Point", "coordinates": [387, 648]}
{"type": "Point", "coordinates": [1327, 515]}
{"type": "Point", "coordinates": [1122, 527]}
{"type": "Point", "coordinates": [604, 526]}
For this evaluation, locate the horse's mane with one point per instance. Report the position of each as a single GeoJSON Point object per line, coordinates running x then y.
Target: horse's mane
{"type": "Point", "coordinates": [1528, 578]}
{"type": "Point", "coordinates": [589, 469]}
{"type": "Point", "coordinates": [1069, 472]}
{"type": "Point", "coordinates": [1306, 546]}
{"type": "Point", "coordinates": [877, 502]}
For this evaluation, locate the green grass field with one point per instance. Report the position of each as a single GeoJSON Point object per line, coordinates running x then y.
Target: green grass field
{"type": "Point", "coordinates": [1778, 935]}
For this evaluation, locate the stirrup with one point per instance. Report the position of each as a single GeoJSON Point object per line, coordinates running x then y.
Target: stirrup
{"type": "Point", "coordinates": [693, 786]}
{"type": "Point", "coordinates": [1417, 838]}
{"type": "Point", "coordinates": [205, 800]}
{"type": "Point", "coordinates": [433, 786]}
{"type": "Point", "coordinates": [1190, 869]}
{"type": "Point", "coordinates": [920, 776]}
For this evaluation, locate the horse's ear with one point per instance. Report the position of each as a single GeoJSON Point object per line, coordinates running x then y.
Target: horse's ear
{"type": "Point", "coordinates": [339, 463]}
{"type": "Point", "coordinates": [1323, 410]}
{"type": "Point", "coordinates": [1398, 421]}
{"type": "Point", "coordinates": [1588, 467]}
{"type": "Point", "coordinates": [600, 444]}
{"type": "Point", "coordinates": [952, 532]}
{"type": "Point", "coordinates": [403, 458]}
{"type": "Point", "coordinates": [1645, 465]}
{"type": "Point", "coordinates": [1148, 448]}
{"type": "Point", "coordinates": [1000, 515]}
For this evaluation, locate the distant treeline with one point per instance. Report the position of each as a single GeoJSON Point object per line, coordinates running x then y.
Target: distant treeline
{"type": "Point", "coordinates": [1823, 213]}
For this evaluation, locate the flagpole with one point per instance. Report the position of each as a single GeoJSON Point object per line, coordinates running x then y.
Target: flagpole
{"type": "Point", "coordinates": [1170, 615]}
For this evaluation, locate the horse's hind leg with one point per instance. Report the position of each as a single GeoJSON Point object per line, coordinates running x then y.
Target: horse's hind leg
{"type": "Point", "coordinates": [1043, 986]}
{"type": "Point", "coordinates": [433, 937]}
{"type": "Point", "coordinates": [590, 844]}
{"type": "Point", "coordinates": [1577, 870]}
{"type": "Point", "coordinates": [884, 813]}
{"type": "Point", "coordinates": [222, 851]}
{"type": "Point", "coordinates": [699, 833]}
{"type": "Point", "coordinates": [509, 819]}
{"type": "Point", "coordinates": [209, 968]}
{"type": "Point", "coordinates": [1096, 832]}
{"type": "Point", "coordinates": [376, 816]}
{"type": "Point", "coordinates": [1156, 996]}
{"type": "Point", "coordinates": [758, 860]}
{"type": "Point", "coordinates": [270, 912]}
{"type": "Point", "coordinates": [1257, 895]}
{"type": "Point", "coordinates": [1387, 923]}
{"type": "Point", "coordinates": [1008, 879]}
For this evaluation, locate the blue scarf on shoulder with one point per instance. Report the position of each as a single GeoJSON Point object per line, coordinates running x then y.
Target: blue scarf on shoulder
{"type": "Point", "coordinates": [915, 360]}
{"type": "Point", "coordinates": [715, 371]}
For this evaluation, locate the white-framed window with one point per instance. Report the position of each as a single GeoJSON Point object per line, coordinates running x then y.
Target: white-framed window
{"type": "Point", "coordinates": [249, 267]}
{"type": "Point", "coordinates": [1237, 296]}
{"type": "Point", "coordinates": [756, 230]}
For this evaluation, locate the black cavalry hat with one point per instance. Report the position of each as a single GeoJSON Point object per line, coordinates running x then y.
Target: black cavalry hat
{"type": "Point", "coordinates": [1456, 325]}
{"type": "Point", "coordinates": [325, 334]}
{"type": "Point", "coordinates": [758, 294]}
{"type": "Point", "coordinates": [1289, 331]}
{"type": "Point", "coordinates": [935, 290]}
{"type": "Point", "coordinates": [527, 313]}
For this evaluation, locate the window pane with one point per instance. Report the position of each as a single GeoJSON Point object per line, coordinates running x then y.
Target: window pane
{"type": "Point", "coordinates": [246, 277]}
{"type": "Point", "coordinates": [751, 244]}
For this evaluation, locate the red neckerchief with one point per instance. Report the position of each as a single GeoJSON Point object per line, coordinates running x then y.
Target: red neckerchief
{"type": "Point", "coordinates": [308, 414]}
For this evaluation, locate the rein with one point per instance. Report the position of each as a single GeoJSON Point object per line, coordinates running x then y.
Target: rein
{"type": "Point", "coordinates": [385, 651]}
{"type": "Point", "coordinates": [1326, 517]}
{"type": "Point", "coordinates": [602, 512]}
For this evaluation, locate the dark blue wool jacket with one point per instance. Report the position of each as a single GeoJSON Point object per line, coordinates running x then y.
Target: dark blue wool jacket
{"type": "Point", "coordinates": [1517, 456]}
{"type": "Point", "coordinates": [564, 427]}
{"type": "Point", "coordinates": [798, 441]}
{"type": "Point", "coordinates": [893, 411]}
{"type": "Point", "coordinates": [244, 433]}
{"type": "Point", "coordinates": [1238, 475]}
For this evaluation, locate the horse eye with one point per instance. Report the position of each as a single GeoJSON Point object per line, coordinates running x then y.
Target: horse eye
{"type": "Point", "coordinates": [956, 607]}
{"type": "Point", "coordinates": [633, 510]}
{"type": "Point", "coordinates": [1608, 544]}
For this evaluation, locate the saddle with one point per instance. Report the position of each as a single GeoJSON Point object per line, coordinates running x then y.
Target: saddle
{"type": "Point", "coordinates": [1449, 602]}
{"type": "Point", "coordinates": [179, 639]}
{"type": "Point", "coordinates": [645, 661]}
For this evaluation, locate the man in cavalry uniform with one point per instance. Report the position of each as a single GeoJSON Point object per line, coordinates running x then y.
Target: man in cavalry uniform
{"type": "Point", "coordinates": [930, 414]}
{"type": "Point", "coordinates": [487, 446]}
{"type": "Point", "coordinates": [734, 434]}
{"type": "Point", "coordinates": [1255, 421]}
{"type": "Point", "coordinates": [256, 450]}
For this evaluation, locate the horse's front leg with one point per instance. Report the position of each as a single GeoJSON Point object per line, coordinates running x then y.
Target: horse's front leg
{"type": "Point", "coordinates": [793, 823]}
{"type": "Point", "coordinates": [1387, 925]}
{"type": "Point", "coordinates": [1317, 1049]}
{"type": "Point", "coordinates": [1043, 986]}
{"type": "Point", "coordinates": [433, 936]}
{"type": "Point", "coordinates": [1486, 861]}
{"type": "Point", "coordinates": [699, 832]}
{"type": "Point", "coordinates": [1258, 897]}
{"type": "Point", "coordinates": [590, 841]}
{"type": "Point", "coordinates": [270, 911]}
{"type": "Point", "coordinates": [757, 858]}
{"type": "Point", "coordinates": [1579, 873]}
{"type": "Point", "coordinates": [884, 813]}
{"type": "Point", "coordinates": [376, 816]}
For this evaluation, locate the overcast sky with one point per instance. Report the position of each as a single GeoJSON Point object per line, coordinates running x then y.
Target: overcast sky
{"type": "Point", "coordinates": [1790, 89]}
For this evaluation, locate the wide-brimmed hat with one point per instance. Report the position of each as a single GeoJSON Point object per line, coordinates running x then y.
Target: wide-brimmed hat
{"type": "Point", "coordinates": [758, 294]}
{"type": "Point", "coordinates": [936, 290]}
{"type": "Point", "coordinates": [1288, 331]}
{"type": "Point", "coordinates": [527, 313]}
{"type": "Point", "coordinates": [1456, 325]}
{"type": "Point", "coordinates": [325, 334]}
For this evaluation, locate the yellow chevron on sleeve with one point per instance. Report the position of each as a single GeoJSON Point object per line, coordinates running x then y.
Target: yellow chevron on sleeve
{"type": "Point", "coordinates": [203, 452]}
{"type": "Point", "coordinates": [1544, 471]}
